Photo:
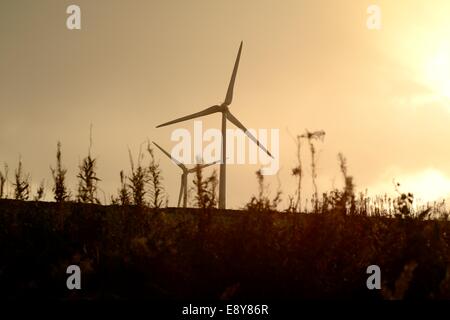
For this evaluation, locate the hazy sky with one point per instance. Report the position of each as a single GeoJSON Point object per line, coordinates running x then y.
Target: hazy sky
{"type": "Point", "coordinates": [381, 96]}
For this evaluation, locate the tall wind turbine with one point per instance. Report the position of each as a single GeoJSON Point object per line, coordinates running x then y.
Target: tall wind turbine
{"type": "Point", "coordinates": [226, 114]}
{"type": "Point", "coordinates": [184, 175]}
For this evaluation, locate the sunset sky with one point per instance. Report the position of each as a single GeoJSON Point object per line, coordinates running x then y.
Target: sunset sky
{"type": "Point", "coordinates": [381, 96]}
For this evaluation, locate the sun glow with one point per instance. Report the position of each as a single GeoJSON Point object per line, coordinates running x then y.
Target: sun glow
{"type": "Point", "coordinates": [427, 186]}
{"type": "Point", "coordinates": [437, 71]}
{"type": "Point", "coordinates": [420, 45]}
{"type": "Point", "coordinates": [430, 185]}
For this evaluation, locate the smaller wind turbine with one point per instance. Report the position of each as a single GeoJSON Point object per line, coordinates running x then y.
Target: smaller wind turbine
{"type": "Point", "coordinates": [184, 175]}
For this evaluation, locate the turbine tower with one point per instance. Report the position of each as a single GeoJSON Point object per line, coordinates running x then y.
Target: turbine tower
{"type": "Point", "coordinates": [226, 115]}
{"type": "Point", "coordinates": [184, 175]}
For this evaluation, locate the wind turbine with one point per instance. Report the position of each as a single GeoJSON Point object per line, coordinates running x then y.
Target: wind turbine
{"type": "Point", "coordinates": [184, 175]}
{"type": "Point", "coordinates": [226, 114]}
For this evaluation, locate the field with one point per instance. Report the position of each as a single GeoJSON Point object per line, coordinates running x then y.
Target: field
{"type": "Point", "coordinates": [127, 252]}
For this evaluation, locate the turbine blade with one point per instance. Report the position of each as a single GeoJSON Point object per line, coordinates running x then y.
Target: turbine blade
{"type": "Point", "coordinates": [178, 163]}
{"type": "Point", "coordinates": [238, 124]}
{"type": "Point", "coordinates": [205, 112]}
{"type": "Point", "coordinates": [203, 166]}
{"type": "Point", "coordinates": [229, 97]}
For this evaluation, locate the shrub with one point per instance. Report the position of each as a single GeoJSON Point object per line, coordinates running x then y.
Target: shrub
{"type": "Point", "coordinates": [3, 180]}
{"type": "Point", "coordinates": [138, 180]}
{"type": "Point", "coordinates": [21, 183]}
{"type": "Point", "coordinates": [155, 179]}
{"type": "Point", "coordinates": [59, 189]}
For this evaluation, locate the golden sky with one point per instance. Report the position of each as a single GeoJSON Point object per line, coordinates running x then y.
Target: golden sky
{"type": "Point", "coordinates": [382, 96]}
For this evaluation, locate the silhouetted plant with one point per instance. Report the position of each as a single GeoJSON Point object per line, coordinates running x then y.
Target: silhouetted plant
{"type": "Point", "coordinates": [124, 195]}
{"type": "Point", "coordinates": [87, 183]}
{"type": "Point", "coordinates": [155, 178]}
{"type": "Point", "coordinates": [212, 183]}
{"type": "Point", "coordinates": [262, 201]}
{"type": "Point", "coordinates": [291, 208]}
{"type": "Point", "coordinates": [348, 197]}
{"type": "Point", "coordinates": [403, 203]}
{"type": "Point", "coordinates": [200, 187]}
{"type": "Point", "coordinates": [298, 173]}
{"type": "Point", "coordinates": [21, 183]}
{"type": "Point", "coordinates": [343, 201]}
{"type": "Point", "coordinates": [311, 137]}
{"type": "Point", "coordinates": [205, 189]}
{"type": "Point", "coordinates": [59, 189]}
{"type": "Point", "coordinates": [138, 180]}
{"type": "Point", "coordinates": [3, 180]}
{"type": "Point", "coordinates": [40, 192]}
{"type": "Point", "coordinates": [87, 178]}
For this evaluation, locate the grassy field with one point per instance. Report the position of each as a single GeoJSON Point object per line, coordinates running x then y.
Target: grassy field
{"type": "Point", "coordinates": [127, 252]}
